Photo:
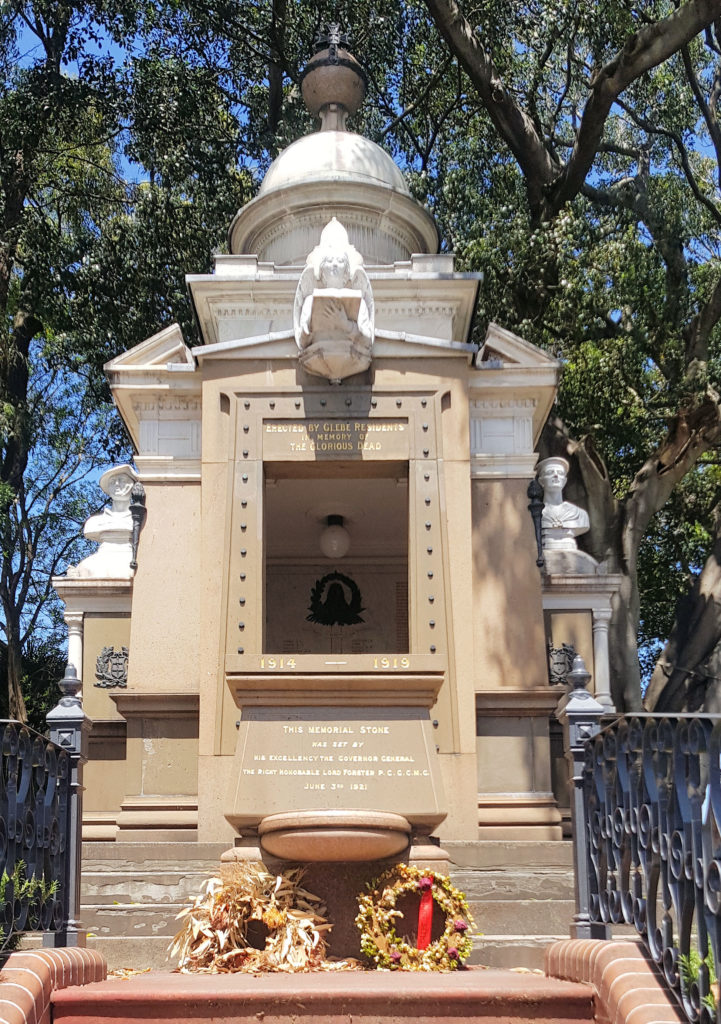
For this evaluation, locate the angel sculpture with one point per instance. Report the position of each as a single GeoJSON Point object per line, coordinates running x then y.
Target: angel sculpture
{"type": "Point", "coordinates": [333, 311]}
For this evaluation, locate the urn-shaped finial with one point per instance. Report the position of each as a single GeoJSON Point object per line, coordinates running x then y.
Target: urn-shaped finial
{"type": "Point", "coordinates": [333, 83]}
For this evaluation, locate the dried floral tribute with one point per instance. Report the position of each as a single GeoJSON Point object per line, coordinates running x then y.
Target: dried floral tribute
{"type": "Point", "coordinates": [379, 922]}
{"type": "Point", "coordinates": [225, 926]}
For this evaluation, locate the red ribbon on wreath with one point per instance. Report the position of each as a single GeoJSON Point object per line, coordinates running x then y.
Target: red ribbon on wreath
{"type": "Point", "coordinates": [425, 913]}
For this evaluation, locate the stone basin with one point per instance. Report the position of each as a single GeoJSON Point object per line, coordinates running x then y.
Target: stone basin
{"type": "Point", "coordinates": [334, 835]}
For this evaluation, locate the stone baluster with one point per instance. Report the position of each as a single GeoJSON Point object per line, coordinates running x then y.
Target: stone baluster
{"type": "Point", "coordinates": [601, 664]}
{"type": "Point", "coordinates": [74, 622]}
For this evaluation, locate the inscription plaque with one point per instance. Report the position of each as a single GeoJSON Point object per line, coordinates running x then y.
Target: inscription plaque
{"type": "Point", "coordinates": [336, 439]}
{"type": "Point", "coordinates": [336, 758]}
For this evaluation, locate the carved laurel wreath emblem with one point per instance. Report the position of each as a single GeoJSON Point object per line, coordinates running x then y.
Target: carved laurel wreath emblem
{"type": "Point", "coordinates": [111, 668]}
{"type": "Point", "coordinates": [335, 600]}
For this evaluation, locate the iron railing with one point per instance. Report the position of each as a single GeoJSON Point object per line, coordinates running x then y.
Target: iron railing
{"type": "Point", "coordinates": [651, 845]}
{"type": "Point", "coordinates": [41, 821]}
{"type": "Point", "coordinates": [34, 801]}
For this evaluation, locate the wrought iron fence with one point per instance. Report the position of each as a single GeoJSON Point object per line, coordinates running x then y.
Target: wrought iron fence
{"type": "Point", "coordinates": [41, 804]}
{"type": "Point", "coordinates": [651, 845]}
{"type": "Point", "coordinates": [34, 804]}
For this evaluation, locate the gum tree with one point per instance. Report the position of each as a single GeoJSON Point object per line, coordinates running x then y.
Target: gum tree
{"type": "Point", "coordinates": [603, 246]}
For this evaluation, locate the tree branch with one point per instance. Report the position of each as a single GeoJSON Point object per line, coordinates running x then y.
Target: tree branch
{"type": "Point", "coordinates": [644, 50]}
{"type": "Point", "coordinates": [512, 123]}
{"type": "Point", "coordinates": [709, 114]}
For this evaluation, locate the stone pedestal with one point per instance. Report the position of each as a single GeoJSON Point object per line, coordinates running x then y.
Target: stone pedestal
{"type": "Point", "coordinates": [577, 611]}
{"type": "Point", "coordinates": [339, 883]}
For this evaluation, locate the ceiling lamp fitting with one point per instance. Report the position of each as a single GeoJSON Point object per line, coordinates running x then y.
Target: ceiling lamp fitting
{"type": "Point", "coordinates": [334, 540]}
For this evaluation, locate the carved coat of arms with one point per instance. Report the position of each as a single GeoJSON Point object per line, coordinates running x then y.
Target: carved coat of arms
{"type": "Point", "coordinates": [560, 662]}
{"type": "Point", "coordinates": [111, 667]}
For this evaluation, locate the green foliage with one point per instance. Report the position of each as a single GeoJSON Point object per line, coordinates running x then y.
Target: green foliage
{"type": "Point", "coordinates": [131, 132]}
{"type": "Point", "coordinates": [690, 968]}
{"type": "Point", "coordinates": [18, 887]}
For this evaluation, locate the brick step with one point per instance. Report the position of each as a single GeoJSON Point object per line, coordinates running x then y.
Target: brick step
{"type": "Point", "coordinates": [363, 997]}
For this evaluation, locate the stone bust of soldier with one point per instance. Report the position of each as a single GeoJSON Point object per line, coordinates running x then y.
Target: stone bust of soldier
{"type": "Point", "coordinates": [561, 521]}
{"type": "Point", "coordinates": [112, 529]}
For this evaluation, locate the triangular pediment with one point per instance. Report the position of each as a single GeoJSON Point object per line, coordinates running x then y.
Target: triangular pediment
{"type": "Point", "coordinates": [165, 347]}
{"type": "Point", "coordinates": [503, 349]}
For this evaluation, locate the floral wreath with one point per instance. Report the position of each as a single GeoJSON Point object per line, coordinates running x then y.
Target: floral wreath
{"type": "Point", "coordinates": [378, 918]}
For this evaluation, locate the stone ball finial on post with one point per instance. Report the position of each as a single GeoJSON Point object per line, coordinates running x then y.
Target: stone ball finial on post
{"type": "Point", "coordinates": [333, 83]}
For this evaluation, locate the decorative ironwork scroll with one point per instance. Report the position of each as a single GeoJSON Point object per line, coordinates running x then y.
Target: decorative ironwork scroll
{"type": "Point", "coordinates": [34, 800]}
{"type": "Point", "coordinates": [652, 809]}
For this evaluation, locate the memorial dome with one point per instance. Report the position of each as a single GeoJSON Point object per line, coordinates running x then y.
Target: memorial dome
{"type": "Point", "coordinates": [330, 155]}
{"type": "Point", "coordinates": [333, 173]}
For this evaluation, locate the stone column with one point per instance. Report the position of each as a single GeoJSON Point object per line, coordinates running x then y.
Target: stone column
{"type": "Point", "coordinates": [74, 622]}
{"type": "Point", "coordinates": [601, 668]}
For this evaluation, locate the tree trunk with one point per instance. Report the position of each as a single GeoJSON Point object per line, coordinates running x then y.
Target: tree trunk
{"type": "Point", "coordinates": [16, 701]}
{"type": "Point", "coordinates": [618, 527]}
{"type": "Point", "coordinates": [681, 680]}
{"type": "Point", "coordinates": [275, 70]}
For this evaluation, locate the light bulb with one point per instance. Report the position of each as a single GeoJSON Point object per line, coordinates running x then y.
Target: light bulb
{"type": "Point", "coordinates": [334, 540]}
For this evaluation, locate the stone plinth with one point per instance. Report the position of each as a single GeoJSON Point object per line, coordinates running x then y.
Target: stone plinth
{"type": "Point", "coordinates": [356, 744]}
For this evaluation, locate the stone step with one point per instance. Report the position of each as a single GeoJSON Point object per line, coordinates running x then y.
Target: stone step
{"type": "Point", "coordinates": [512, 951]}
{"type": "Point", "coordinates": [141, 886]}
{"type": "Point", "coordinates": [527, 917]}
{"type": "Point", "coordinates": [514, 885]}
{"type": "Point", "coordinates": [487, 854]}
{"type": "Point", "coordinates": [163, 853]}
{"type": "Point", "coordinates": [380, 997]}
{"type": "Point", "coordinates": [521, 895]}
{"type": "Point", "coordinates": [136, 920]}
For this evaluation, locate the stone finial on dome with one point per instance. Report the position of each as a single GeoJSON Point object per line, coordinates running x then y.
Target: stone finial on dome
{"type": "Point", "coordinates": [333, 83]}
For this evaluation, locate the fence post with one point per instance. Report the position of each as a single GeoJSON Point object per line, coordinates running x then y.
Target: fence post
{"type": "Point", "coordinates": [69, 728]}
{"type": "Point", "coordinates": [579, 713]}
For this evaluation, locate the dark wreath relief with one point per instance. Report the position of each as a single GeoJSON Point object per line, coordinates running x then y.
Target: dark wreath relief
{"type": "Point", "coordinates": [652, 802]}
{"type": "Point", "coordinates": [335, 600]}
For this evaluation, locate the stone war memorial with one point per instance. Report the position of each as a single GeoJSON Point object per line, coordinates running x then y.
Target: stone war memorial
{"type": "Point", "coordinates": [315, 629]}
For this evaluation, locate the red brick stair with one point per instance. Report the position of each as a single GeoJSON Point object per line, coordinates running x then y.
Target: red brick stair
{"type": "Point", "coordinates": [348, 997]}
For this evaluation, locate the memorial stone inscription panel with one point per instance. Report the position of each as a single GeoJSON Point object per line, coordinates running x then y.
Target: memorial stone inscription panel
{"type": "Point", "coordinates": [335, 439]}
{"type": "Point", "coordinates": [325, 758]}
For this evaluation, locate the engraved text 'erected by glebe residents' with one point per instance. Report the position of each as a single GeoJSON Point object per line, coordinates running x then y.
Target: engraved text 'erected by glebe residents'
{"type": "Point", "coordinates": [312, 439]}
